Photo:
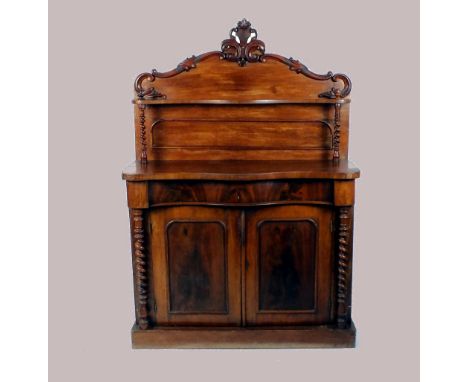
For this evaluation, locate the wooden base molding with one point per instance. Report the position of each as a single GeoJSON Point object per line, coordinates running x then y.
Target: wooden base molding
{"type": "Point", "coordinates": [243, 338]}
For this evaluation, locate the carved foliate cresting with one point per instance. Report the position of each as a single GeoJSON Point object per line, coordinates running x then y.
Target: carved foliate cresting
{"type": "Point", "coordinates": [243, 45]}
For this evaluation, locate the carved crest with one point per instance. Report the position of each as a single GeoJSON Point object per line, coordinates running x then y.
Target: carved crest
{"type": "Point", "coordinates": [243, 45]}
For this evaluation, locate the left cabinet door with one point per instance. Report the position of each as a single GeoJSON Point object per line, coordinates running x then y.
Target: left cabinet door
{"type": "Point", "coordinates": [196, 266]}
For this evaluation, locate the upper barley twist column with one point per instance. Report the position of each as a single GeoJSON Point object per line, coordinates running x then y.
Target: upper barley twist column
{"type": "Point", "coordinates": [143, 155]}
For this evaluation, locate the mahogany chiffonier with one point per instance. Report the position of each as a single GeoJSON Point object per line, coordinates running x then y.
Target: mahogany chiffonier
{"type": "Point", "coordinates": [241, 202]}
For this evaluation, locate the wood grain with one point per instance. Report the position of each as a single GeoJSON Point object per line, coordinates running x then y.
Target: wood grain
{"type": "Point", "coordinates": [240, 170]}
{"type": "Point", "coordinates": [319, 336]}
{"type": "Point", "coordinates": [241, 134]}
{"type": "Point", "coordinates": [250, 132]}
{"type": "Point", "coordinates": [197, 267]}
{"type": "Point", "coordinates": [286, 264]}
{"type": "Point", "coordinates": [137, 194]}
{"type": "Point", "coordinates": [196, 253]}
{"type": "Point", "coordinates": [223, 80]}
{"type": "Point", "coordinates": [240, 193]}
{"type": "Point", "coordinates": [343, 192]}
{"type": "Point", "coordinates": [310, 266]}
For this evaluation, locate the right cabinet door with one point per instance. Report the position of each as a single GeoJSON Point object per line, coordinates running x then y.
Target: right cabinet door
{"type": "Point", "coordinates": [288, 268]}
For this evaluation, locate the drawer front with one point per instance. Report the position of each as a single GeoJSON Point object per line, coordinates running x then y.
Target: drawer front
{"type": "Point", "coordinates": [240, 193]}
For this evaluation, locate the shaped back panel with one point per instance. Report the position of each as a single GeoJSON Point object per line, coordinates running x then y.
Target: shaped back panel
{"type": "Point", "coordinates": [241, 103]}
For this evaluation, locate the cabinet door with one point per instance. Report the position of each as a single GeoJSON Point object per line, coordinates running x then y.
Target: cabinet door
{"type": "Point", "coordinates": [288, 265]}
{"type": "Point", "coordinates": [196, 266]}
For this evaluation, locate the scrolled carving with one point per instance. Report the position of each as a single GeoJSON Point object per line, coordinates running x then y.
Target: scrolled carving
{"type": "Point", "coordinates": [300, 68]}
{"type": "Point", "coordinates": [243, 46]}
{"type": "Point", "coordinates": [188, 64]}
{"type": "Point", "coordinates": [344, 232]}
{"type": "Point", "coordinates": [141, 277]}
{"type": "Point", "coordinates": [336, 93]}
{"type": "Point", "coordinates": [296, 66]}
{"type": "Point", "coordinates": [148, 93]}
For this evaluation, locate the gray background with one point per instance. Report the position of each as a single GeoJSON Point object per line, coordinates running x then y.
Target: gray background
{"type": "Point", "coordinates": [96, 50]}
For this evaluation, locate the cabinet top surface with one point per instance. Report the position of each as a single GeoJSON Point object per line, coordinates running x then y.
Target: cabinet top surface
{"type": "Point", "coordinates": [240, 170]}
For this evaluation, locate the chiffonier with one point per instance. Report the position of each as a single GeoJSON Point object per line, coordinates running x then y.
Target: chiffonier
{"type": "Point", "coordinates": [241, 202]}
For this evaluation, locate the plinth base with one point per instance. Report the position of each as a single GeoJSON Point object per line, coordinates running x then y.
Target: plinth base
{"type": "Point", "coordinates": [243, 338]}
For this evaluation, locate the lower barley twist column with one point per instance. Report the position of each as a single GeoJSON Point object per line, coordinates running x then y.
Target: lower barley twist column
{"type": "Point", "coordinates": [141, 273]}
{"type": "Point", "coordinates": [343, 265]}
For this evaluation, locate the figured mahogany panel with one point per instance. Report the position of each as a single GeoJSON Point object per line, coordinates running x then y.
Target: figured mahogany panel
{"type": "Point", "coordinates": [241, 134]}
{"type": "Point", "coordinates": [247, 132]}
{"type": "Point", "coordinates": [217, 79]}
{"type": "Point", "coordinates": [288, 277]}
{"type": "Point", "coordinates": [197, 267]}
{"type": "Point", "coordinates": [286, 263]}
{"type": "Point", "coordinates": [236, 112]}
{"type": "Point", "coordinates": [238, 193]}
{"type": "Point", "coordinates": [230, 154]}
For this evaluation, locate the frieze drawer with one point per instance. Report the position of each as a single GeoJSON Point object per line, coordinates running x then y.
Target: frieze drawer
{"type": "Point", "coordinates": [263, 192]}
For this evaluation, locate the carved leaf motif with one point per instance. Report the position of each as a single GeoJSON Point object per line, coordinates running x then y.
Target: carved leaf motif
{"type": "Point", "coordinates": [188, 64]}
{"type": "Point", "coordinates": [295, 65]}
{"type": "Point", "coordinates": [243, 45]}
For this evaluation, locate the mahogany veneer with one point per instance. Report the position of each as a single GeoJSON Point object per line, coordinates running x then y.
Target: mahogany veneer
{"type": "Point", "coordinates": [241, 202]}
